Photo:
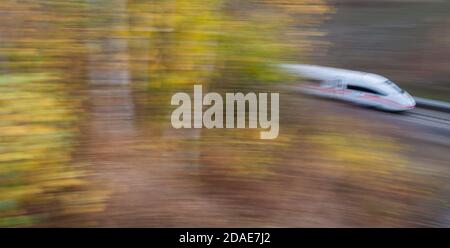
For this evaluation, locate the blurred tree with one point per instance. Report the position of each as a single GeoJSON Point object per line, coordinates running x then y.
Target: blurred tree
{"type": "Point", "coordinates": [42, 50]}
{"type": "Point", "coordinates": [217, 41]}
{"type": "Point", "coordinates": [57, 55]}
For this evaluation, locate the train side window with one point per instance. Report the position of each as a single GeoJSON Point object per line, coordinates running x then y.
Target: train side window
{"type": "Point", "coordinates": [364, 89]}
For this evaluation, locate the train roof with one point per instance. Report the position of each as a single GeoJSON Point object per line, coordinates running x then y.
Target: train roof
{"type": "Point", "coordinates": [317, 71]}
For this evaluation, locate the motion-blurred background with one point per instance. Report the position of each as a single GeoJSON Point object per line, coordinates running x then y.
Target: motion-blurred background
{"type": "Point", "coordinates": [85, 133]}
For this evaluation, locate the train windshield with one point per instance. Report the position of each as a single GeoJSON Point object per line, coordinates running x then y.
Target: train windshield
{"type": "Point", "coordinates": [393, 85]}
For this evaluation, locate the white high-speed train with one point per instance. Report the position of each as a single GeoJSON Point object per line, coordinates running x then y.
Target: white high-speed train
{"type": "Point", "coordinates": [358, 87]}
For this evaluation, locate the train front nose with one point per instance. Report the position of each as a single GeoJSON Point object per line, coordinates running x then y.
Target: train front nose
{"type": "Point", "coordinates": [406, 100]}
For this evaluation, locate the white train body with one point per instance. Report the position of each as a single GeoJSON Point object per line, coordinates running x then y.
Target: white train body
{"type": "Point", "coordinates": [358, 87]}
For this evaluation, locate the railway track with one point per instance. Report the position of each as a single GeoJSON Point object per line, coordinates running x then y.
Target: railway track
{"type": "Point", "coordinates": [429, 117]}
